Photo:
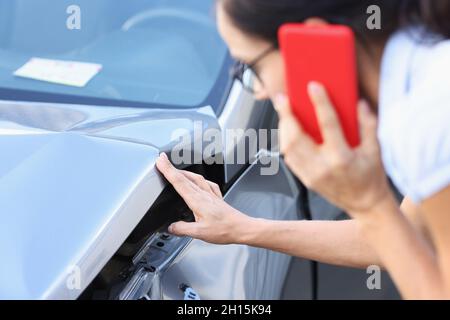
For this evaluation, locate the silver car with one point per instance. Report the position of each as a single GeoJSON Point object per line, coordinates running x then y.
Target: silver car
{"type": "Point", "coordinates": [84, 211]}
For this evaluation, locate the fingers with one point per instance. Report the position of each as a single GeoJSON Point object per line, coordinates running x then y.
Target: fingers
{"type": "Point", "coordinates": [291, 131]}
{"type": "Point", "coordinates": [326, 115]}
{"type": "Point", "coordinates": [184, 229]}
{"type": "Point", "coordinates": [197, 180]}
{"type": "Point", "coordinates": [368, 123]}
{"type": "Point", "coordinates": [215, 189]}
{"type": "Point", "coordinates": [181, 184]}
{"type": "Point", "coordinates": [202, 183]}
{"type": "Point", "coordinates": [282, 106]}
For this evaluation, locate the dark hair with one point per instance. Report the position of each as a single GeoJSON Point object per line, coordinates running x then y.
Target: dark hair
{"type": "Point", "coordinates": [262, 18]}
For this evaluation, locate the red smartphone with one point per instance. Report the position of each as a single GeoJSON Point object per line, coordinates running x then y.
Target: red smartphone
{"type": "Point", "coordinates": [325, 54]}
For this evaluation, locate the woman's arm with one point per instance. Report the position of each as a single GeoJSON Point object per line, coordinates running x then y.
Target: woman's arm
{"type": "Point", "coordinates": [354, 179]}
{"type": "Point", "coordinates": [418, 272]}
{"type": "Point", "coordinates": [436, 212]}
{"type": "Point", "coordinates": [332, 242]}
{"type": "Point", "coordinates": [341, 243]}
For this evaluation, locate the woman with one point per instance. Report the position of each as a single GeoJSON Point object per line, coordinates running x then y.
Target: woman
{"type": "Point", "coordinates": [404, 72]}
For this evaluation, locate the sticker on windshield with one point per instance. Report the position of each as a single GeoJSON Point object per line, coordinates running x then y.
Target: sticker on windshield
{"type": "Point", "coordinates": [69, 73]}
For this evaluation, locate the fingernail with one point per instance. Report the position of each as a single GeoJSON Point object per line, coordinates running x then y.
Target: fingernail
{"type": "Point", "coordinates": [163, 156]}
{"type": "Point", "coordinates": [314, 88]}
{"type": "Point", "coordinates": [170, 228]}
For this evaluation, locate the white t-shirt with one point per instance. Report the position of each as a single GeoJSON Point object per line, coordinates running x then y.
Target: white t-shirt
{"type": "Point", "coordinates": [414, 113]}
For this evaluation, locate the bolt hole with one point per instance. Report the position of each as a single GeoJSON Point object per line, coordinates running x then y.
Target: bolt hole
{"type": "Point", "coordinates": [160, 244]}
{"type": "Point", "coordinates": [165, 236]}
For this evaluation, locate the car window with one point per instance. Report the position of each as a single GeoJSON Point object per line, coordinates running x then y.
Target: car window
{"type": "Point", "coordinates": [151, 52]}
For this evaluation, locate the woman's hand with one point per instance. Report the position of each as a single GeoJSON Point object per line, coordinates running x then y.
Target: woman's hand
{"type": "Point", "coordinates": [216, 221]}
{"type": "Point", "coordinates": [352, 179]}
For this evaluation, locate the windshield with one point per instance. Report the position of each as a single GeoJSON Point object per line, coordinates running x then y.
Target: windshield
{"type": "Point", "coordinates": [140, 52]}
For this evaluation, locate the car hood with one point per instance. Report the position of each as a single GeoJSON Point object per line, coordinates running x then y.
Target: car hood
{"type": "Point", "coordinates": [74, 182]}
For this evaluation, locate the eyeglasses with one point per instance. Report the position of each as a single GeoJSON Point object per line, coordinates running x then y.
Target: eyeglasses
{"type": "Point", "coordinates": [246, 74]}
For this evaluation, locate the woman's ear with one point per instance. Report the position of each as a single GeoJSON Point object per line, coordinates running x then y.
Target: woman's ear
{"type": "Point", "coordinates": [314, 21]}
